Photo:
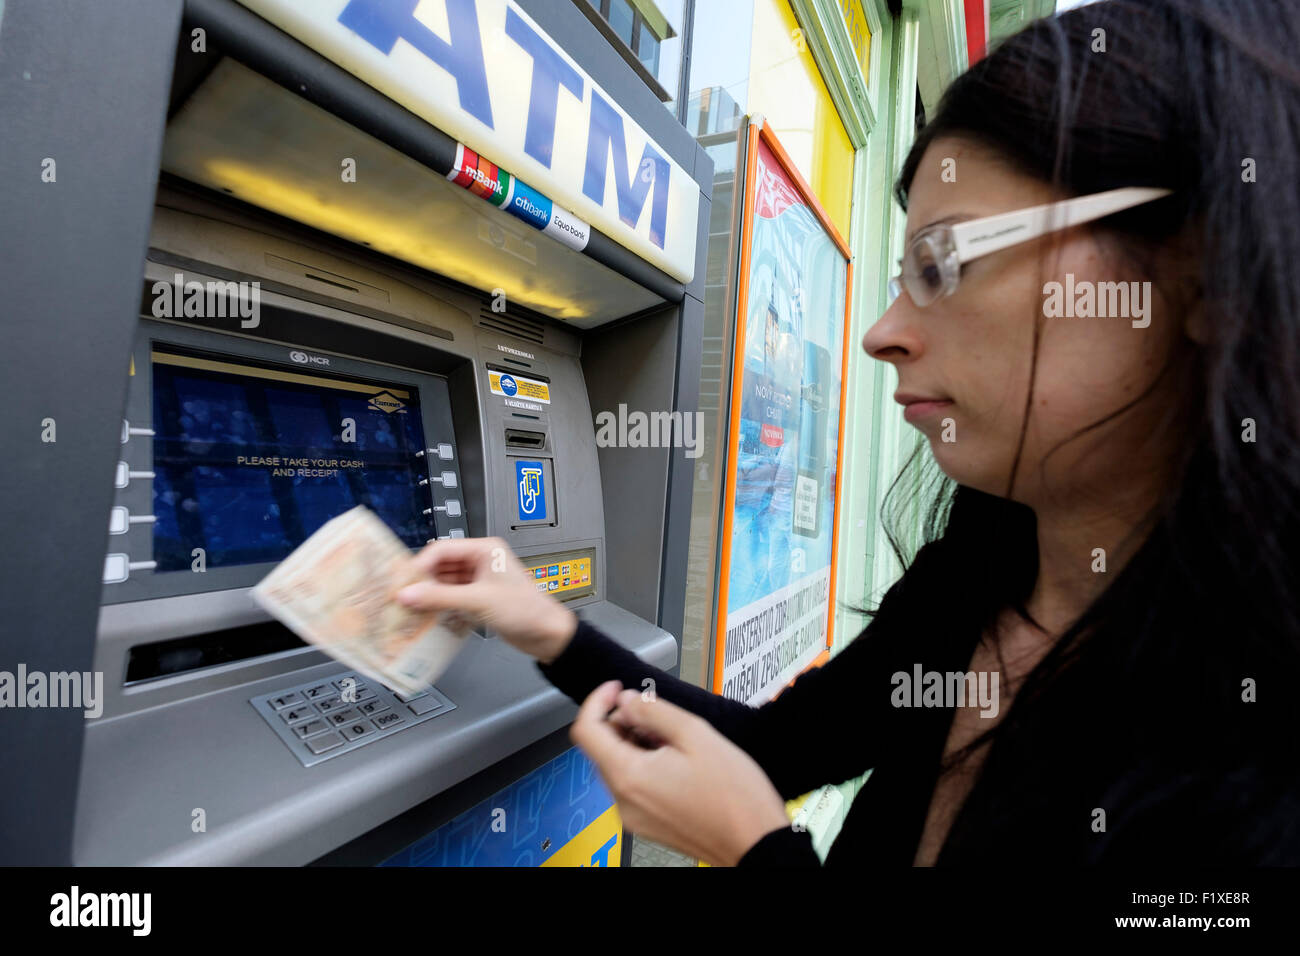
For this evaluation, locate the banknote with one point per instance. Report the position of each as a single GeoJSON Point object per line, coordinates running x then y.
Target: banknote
{"type": "Point", "coordinates": [336, 592]}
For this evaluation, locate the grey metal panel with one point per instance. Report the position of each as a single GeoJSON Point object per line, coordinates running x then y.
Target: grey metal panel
{"type": "Point", "coordinates": [681, 473]}
{"type": "Point", "coordinates": [633, 364]}
{"type": "Point", "coordinates": [146, 773]}
{"type": "Point", "coordinates": [74, 87]}
{"type": "Point", "coordinates": [571, 448]}
{"type": "Point", "coordinates": [686, 397]}
{"type": "Point", "coordinates": [704, 171]}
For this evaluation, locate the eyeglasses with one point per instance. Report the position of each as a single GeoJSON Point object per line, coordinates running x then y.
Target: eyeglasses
{"type": "Point", "coordinates": [931, 266]}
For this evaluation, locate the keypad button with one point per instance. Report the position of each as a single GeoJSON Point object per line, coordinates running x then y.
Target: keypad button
{"type": "Point", "coordinates": [339, 718]}
{"type": "Point", "coordinates": [311, 728]}
{"type": "Point", "coordinates": [318, 745]}
{"type": "Point", "coordinates": [320, 724]}
{"type": "Point", "coordinates": [358, 729]}
{"type": "Point", "coordinates": [362, 693]}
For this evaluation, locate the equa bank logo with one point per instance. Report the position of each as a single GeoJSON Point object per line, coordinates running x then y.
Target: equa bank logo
{"type": "Point", "coordinates": [471, 26]}
{"type": "Point", "coordinates": [532, 490]}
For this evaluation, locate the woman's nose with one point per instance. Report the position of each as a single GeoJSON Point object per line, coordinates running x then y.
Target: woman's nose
{"type": "Point", "coordinates": [894, 337]}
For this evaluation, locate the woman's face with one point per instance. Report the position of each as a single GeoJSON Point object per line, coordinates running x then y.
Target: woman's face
{"type": "Point", "coordinates": [973, 350]}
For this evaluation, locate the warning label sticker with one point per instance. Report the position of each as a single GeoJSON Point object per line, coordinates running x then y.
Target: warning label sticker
{"type": "Point", "coordinates": [508, 385]}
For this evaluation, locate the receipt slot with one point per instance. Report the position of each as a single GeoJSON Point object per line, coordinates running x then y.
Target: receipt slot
{"type": "Point", "coordinates": [276, 285]}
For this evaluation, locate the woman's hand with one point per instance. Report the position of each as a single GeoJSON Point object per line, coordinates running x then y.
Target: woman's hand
{"type": "Point", "coordinates": [481, 579]}
{"type": "Point", "coordinates": [695, 791]}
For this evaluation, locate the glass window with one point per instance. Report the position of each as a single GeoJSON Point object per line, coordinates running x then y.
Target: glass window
{"type": "Point", "coordinates": [651, 31]}
{"type": "Point", "coordinates": [621, 18]}
{"type": "Point", "coordinates": [647, 50]}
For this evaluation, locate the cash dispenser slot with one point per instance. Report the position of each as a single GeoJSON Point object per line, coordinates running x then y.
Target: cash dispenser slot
{"type": "Point", "coordinates": [146, 662]}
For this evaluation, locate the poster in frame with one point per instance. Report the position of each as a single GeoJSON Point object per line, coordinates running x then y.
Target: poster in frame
{"type": "Point", "coordinates": [781, 501]}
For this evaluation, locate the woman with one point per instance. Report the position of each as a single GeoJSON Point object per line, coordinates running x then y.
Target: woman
{"type": "Point", "coordinates": [1112, 534]}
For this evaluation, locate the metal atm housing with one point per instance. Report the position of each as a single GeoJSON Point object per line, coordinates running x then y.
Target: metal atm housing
{"type": "Point", "coordinates": [198, 680]}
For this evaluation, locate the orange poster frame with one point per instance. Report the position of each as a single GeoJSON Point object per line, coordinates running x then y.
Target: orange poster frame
{"type": "Point", "coordinates": [757, 130]}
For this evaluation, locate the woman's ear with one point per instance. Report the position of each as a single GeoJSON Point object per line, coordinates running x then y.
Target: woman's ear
{"type": "Point", "coordinates": [1195, 324]}
{"type": "Point", "coordinates": [1179, 266]}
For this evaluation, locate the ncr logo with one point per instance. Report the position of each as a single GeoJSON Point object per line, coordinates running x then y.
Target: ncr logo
{"type": "Point", "coordinates": [302, 358]}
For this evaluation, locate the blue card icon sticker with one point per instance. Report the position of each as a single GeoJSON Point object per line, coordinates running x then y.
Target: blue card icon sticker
{"type": "Point", "coordinates": [532, 492]}
{"type": "Point", "coordinates": [508, 385]}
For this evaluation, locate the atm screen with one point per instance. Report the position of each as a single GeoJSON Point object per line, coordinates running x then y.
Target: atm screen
{"type": "Point", "coordinates": [250, 459]}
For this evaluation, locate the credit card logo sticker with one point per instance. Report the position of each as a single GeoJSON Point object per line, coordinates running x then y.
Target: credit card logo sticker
{"type": "Point", "coordinates": [532, 492]}
{"type": "Point", "coordinates": [508, 385]}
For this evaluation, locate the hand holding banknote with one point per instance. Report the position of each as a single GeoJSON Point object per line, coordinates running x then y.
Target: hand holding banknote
{"type": "Point", "coordinates": [481, 579]}
{"type": "Point", "coordinates": [337, 591]}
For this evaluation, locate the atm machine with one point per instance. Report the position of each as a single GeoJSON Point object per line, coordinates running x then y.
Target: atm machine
{"type": "Point", "coordinates": [256, 291]}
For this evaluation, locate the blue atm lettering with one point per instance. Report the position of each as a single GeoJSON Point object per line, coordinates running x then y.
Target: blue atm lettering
{"type": "Point", "coordinates": [381, 23]}
{"type": "Point", "coordinates": [605, 134]}
{"type": "Point", "coordinates": [549, 73]}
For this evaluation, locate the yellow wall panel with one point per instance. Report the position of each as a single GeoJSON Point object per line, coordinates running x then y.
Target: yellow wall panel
{"type": "Point", "coordinates": [786, 87]}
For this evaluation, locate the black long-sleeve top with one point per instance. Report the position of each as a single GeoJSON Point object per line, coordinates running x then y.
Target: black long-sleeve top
{"type": "Point", "coordinates": [837, 721]}
{"type": "Point", "coordinates": [801, 740]}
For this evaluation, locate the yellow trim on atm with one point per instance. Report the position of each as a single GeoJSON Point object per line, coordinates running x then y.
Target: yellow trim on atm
{"type": "Point", "coordinates": [253, 371]}
{"type": "Point", "coordinates": [583, 849]}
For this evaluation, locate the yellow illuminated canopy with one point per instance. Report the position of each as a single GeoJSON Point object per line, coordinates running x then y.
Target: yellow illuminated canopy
{"type": "Point", "coordinates": [244, 135]}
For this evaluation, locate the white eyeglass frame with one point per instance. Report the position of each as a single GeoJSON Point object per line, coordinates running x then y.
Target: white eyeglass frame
{"type": "Point", "coordinates": [954, 244]}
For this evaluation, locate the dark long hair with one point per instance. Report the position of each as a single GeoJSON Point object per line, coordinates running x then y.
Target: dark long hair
{"type": "Point", "coordinates": [1139, 706]}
